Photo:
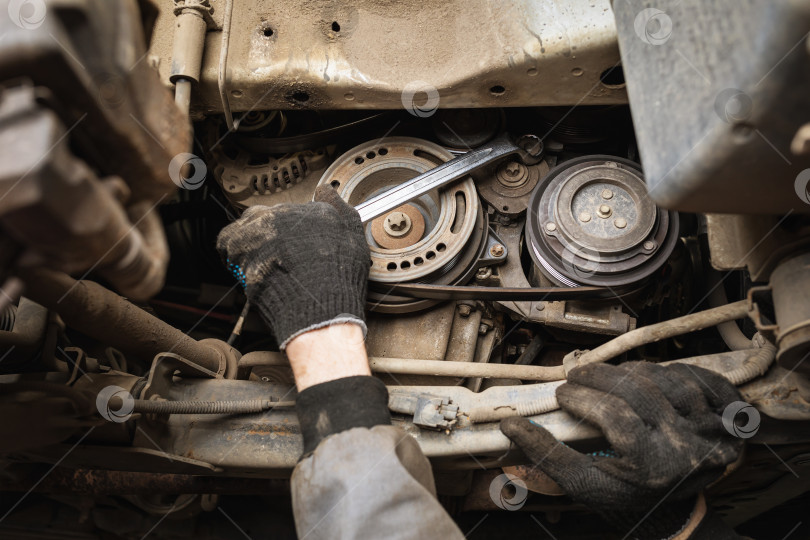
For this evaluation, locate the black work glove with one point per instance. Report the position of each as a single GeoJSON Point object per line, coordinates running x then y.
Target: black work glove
{"type": "Point", "coordinates": [305, 266]}
{"type": "Point", "coordinates": [664, 424]}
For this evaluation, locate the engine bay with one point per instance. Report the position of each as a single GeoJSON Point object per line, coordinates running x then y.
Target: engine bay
{"type": "Point", "coordinates": [136, 373]}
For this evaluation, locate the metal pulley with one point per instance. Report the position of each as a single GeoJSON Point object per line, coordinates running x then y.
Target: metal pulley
{"type": "Point", "coordinates": [435, 236]}
{"type": "Point", "coordinates": [591, 222]}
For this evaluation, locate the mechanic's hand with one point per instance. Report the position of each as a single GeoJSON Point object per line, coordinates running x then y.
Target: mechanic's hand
{"type": "Point", "coordinates": [667, 437]}
{"type": "Point", "coordinates": [305, 266]}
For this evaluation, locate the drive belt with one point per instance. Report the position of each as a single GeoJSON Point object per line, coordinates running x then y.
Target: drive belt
{"type": "Point", "coordinates": [503, 294]}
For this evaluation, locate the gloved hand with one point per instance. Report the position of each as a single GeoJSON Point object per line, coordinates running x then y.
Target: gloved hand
{"type": "Point", "coordinates": [667, 437]}
{"type": "Point", "coordinates": [305, 266]}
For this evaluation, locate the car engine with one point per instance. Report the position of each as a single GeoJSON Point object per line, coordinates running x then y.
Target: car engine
{"type": "Point", "coordinates": [542, 183]}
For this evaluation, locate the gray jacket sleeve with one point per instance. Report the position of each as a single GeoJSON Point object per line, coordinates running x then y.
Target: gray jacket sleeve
{"type": "Point", "coordinates": [368, 483]}
{"type": "Point", "coordinates": [361, 477]}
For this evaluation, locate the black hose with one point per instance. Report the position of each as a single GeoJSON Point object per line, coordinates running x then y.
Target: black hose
{"type": "Point", "coordinates": [532, 350]}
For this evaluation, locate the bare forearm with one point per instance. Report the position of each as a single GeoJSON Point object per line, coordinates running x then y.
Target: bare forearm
{"type": "Point", "coordinates": [327, 354]}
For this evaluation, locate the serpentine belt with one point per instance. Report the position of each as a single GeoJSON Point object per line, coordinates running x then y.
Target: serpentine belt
{"type": "Point", "coordinates": [506, 294]}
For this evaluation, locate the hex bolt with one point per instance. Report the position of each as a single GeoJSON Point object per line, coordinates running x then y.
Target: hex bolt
{"type": "Point", "coordinates": [483, 329]}
{"type": "Point", "coordinates": [497, 250]}
{"type": "Point", "coordinates": [620, 223]}
{"type": "Point", "coordinates": [483, 274]}
{"type": "Point", "coordinates": [532, 144]}
{"type": "Point", "coordinates": [607, 194]}
{"type": "Point", "coordinates": [540, 306]}
{"type": "Point", "coordinates": [464, 310]}
{"type": "Point", "coordinates": [551, 227]}
{"type": "Point", "coordinates": [649, 245]}
{"type": "Point", "coordinates": [584, 217]}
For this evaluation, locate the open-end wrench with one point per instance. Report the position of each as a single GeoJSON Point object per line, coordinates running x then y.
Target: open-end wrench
{"type": "Point", "coordinates": [529, 147]}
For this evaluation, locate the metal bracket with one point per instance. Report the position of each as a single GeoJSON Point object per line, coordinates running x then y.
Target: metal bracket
{"type": "Point", "coordinates": [495, 251]}
{"type": "Point", "coordinates": [164, 366]}
{"type": "Point", "coordinates": [768, 331]}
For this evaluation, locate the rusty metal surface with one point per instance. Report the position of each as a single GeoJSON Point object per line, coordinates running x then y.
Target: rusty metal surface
{"type": "Point", "coordinates": [402, 227]}
{"type": "Point", "coordinates": [100, 313]}
{"type": "Point", "coordinates": [437, 334]}
{"type": "Point", "coordinates": [367, 54]}
{"type": "Point", "coordinates": [535, 479]}
{"type": "Point", "coordinates": [595, 318]}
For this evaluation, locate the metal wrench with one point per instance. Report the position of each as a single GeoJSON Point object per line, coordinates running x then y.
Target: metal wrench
{"type": "Point", "coordinates": [529, 147]}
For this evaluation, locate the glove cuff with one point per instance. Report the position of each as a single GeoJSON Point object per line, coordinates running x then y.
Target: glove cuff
{"type": "Point", "coordinates": [333, 407]}
{"type": "Point", "coordinates": [344, 319]}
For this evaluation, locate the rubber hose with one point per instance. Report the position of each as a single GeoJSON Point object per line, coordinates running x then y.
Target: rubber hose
{"type": "Point", "coordinates": [753, 367]}
{"type": "Point", "coordinates": [731, 334]}
{"type": "Point", "coordinates": [524, 408]}
{"type": "Point", "coordinates": [756, 365]}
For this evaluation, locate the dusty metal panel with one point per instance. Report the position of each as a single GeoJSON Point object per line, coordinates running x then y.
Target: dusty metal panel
{"type": "Point", "coordinates": [368, 53]}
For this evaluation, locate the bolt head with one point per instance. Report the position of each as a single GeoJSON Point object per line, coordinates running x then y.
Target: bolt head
{"type": "Point", "coordinates": [551, 227]}
{"type": "Point", "coordinates": [512, 168]}
{"type": "Point", "coordinates": [497, 250]}
{"type": "Point", "coordinates": [604, 211]}
{"type": "Point", "coordinates": [532, 144]}
{"type": "Point", "coordinates": [483, 273]}
{"type": "Point", "coordinates": [397, 224]}
{"type": "Point", "coordinates": [649, 245]}
{"type": "Point", "coordinates": [607, 194]}
{"type": "Point", "coordinates": [620, 223]}
{"type": "Point", "coordinates": [396, 220]}
{"type": "Point", "coordinates": [584, 217]}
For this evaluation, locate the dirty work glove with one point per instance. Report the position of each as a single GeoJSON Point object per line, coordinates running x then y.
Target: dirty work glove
{"type": "Point", "coordinates": [664, 424]}
{"type": "Point", "coordinates": [305, 266]}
